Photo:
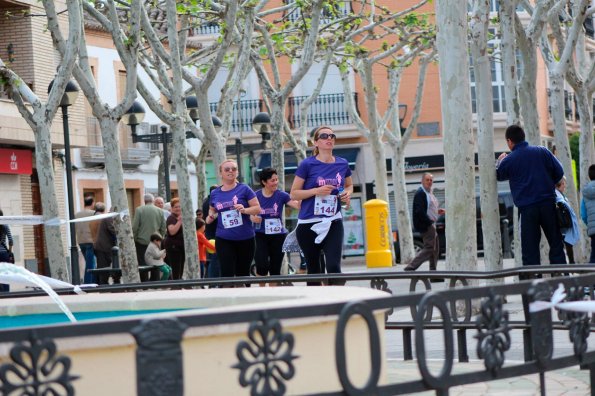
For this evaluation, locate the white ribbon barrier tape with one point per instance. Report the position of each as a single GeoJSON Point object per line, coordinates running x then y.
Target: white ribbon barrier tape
{"type": "Point", "coordinates": [587, 306]}
{"type": "Point", "coordinates": [38, 219]}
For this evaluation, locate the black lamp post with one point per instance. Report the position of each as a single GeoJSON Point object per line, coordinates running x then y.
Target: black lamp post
{"type": "Point", "coordinates": [402, 114]}
{"type": "Point", "coordinates": [261, 124]}
{"type": "Point", "coordinates": [68, 99]}
{"type": "Point", "coordinates": [135, 116]}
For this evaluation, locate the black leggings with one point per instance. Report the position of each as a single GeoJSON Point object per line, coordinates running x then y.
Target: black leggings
{"type": "Point", "coordinates": [268, 255]}
{"type": "Point", "coordinates": [235, 257]}
{"type": "Point", "coordinates": [175, 258]}
{"type": "Point", "coordinates": [332, 246]}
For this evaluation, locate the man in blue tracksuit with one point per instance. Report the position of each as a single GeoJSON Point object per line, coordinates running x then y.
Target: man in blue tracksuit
{"type": "Point", "coordinates": [532, 172]}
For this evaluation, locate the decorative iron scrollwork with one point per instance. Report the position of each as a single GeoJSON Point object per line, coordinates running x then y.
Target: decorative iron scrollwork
{"type": "Point", "coordinates": [493, 333]}
{"type": "Point", "coordinates": [382, 285]}
{"type": "Point", "coordinates": [266, 361]}
{"type": "Point", "coordinates": [36, 370]}
{"type": "Point", "coordinates": [577, 322]}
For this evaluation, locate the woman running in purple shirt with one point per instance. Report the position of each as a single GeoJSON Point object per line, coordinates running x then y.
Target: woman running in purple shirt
{"type": "Point", "coordinates": [268, 225]}
{"type": "Point", "coordinates": [322, 182]}
{"type": "Point", "coordinates": [231, 205]}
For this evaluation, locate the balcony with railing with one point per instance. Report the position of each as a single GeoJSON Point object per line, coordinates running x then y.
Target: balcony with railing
{"type": "Point", "coordinates": [93, 154]}
{"type": "Point", "coordinates": [340, 10]}
{"type": "Point", "coordinates": [205, 28]}
{"type": "Point", "coordinates": [328, 109]}
{"type": "Point", "coordinates": [242, 113]}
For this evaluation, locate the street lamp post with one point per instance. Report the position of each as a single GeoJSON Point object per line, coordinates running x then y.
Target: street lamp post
{"type": "Point", "coordinates": [402, 114]}
{"type": "Point", "coordinates": [68, 99]}
{"type": "Point", "coordinates": [261, 124]}
{"type": "Point", "coordinates": [136, 114]}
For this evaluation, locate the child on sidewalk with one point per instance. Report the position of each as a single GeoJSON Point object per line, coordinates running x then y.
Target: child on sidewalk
{"type": "Point", "coordinates": [203, 245]}
{"type": "Point", "coordinates": [154, 256]}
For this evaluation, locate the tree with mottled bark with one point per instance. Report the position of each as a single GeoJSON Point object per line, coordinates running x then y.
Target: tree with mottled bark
{"type": "Point", "coordinates": [39, 117]}
{"type": "Point", "coordinates": [269, 46]}
{"type": "Point", "coordinates": [410, 36]}
{"type": "Point", "coordinates": [459, 142]}
{"type": "Point", "coordinates": [490, 214]}
{"type": "Point", "coordinates": [126, 39]}
{"type": "Point", "coordinates": [527, 40]}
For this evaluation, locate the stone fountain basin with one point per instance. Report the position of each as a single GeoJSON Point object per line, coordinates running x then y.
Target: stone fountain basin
{"type": "Point", "coordinates": [106, 364]}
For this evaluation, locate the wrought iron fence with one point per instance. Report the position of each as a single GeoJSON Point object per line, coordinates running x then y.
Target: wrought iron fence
{"type": "Point", "coordinates": [493, 327]}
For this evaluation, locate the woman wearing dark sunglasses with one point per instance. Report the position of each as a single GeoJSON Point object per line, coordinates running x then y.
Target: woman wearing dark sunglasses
{"type": "Point", "coordinates": [322, 182]}
{"type": "Point", "coordinates": [231, 205]}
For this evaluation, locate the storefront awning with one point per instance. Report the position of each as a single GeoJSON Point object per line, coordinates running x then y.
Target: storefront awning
{"type": "Point", "coordinates": [350, 154]}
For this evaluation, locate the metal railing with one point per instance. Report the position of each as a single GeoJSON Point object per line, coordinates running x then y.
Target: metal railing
{"type": "Point", "coordinates": [327, 109]}
{"type": "Point", "coordinates": [341, 9]}
{"type": "Point", "coordinates": [492, 325]}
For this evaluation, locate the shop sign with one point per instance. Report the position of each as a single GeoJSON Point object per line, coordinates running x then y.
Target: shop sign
{"type": "Point", "coordinates": [18, 162]}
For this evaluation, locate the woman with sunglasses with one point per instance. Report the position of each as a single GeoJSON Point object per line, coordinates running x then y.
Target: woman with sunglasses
{"type": "Point", "coordinates": [231, 205]}
{"type": "Point", "coordinates": [268, 224]}
{"type": "Point", "coordinates": [322, 182]}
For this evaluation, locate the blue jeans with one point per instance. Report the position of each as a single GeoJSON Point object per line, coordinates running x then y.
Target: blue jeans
{"type": "Point", "coordinates": [213, 269]}
{"type": "Point", "coordinates": [89, 255]}
{"type": "Point", "coordinates": [534, 218]}
{"type": "Point", "coordinates": [4, 259]}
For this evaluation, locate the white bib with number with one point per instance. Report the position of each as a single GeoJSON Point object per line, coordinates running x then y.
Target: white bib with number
{"type": "Point", "coordinates": [325, 205]}
{"type": "Point", "coordinates": [272, 226]}
{"type": "Point", "coordinates": [231, 218]}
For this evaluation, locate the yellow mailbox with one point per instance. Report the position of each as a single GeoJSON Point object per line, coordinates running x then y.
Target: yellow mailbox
{"type": "Point", "coordinates": [378, 253]}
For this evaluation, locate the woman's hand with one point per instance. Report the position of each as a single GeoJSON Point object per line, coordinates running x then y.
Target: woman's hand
{"type": "Point", "coordinates": [325, 190]}
{"type": "Point", "coordinates": [256, 219]}
{"type": "Point", "coordinates": [345, 197]}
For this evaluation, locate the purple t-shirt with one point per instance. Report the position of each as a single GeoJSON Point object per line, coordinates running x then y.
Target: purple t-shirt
{"type": "Point", "coordinates": [231, 224]}
{"type": "Point", "coordinates": [272, 208]}
{"type": "Point", "coordinates": [316, 174]}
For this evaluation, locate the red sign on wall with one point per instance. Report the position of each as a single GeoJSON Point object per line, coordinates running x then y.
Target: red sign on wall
{"type": "Point", "coordinates": [18, 162]}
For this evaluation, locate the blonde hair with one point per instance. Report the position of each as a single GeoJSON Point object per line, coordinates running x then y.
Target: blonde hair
{"type": "Point", "coordinates": [314, 134]}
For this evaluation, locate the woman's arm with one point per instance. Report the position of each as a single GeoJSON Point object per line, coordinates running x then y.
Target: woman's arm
{"type": "Point", "coordinates": [299, 194]}
{"type": "Point", "coordinates": [252, 209]}
{"type": "Point", "coordinates": [294, 204]}
{"type": "Point", "coordinates": [173, 229]}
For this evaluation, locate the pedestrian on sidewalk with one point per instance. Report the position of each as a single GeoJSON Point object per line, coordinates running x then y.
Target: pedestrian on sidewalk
{"type": "Point", "coordinates": [572, 234]}
{"type": "Point", "coordinates": [426, 210]}
{"type": "Point", "coordinates": [588, 210]}
{"type": "Point", "coordinates": [84, 237]}
{"type": "Point", "coordinates": [533, 172]}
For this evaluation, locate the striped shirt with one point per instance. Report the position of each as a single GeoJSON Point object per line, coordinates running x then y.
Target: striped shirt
{"type": "Point", "coordinates": [4, 235]}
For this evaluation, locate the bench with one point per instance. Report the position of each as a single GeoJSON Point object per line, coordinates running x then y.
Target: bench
{"type": "Point", "coordinates": [147, 272]}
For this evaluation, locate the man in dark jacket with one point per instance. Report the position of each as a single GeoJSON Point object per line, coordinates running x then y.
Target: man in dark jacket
{"type": "Point", "coordinates": [532, 172]}
{"type": "Point", "coordinates": [425, 212]}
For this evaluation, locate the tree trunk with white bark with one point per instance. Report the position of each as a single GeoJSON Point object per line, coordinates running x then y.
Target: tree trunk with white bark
{"type": "Point", "coordinates": [461, 253]}
{"type": "Point", "coordinates": [490, 214]}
